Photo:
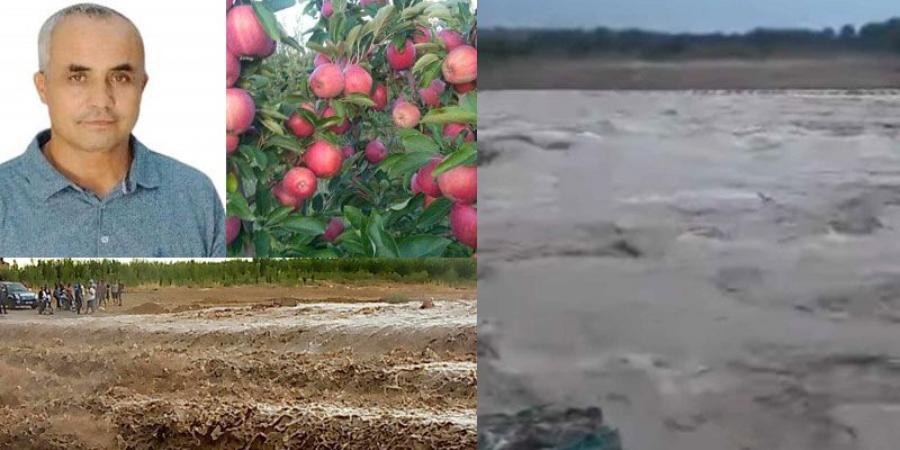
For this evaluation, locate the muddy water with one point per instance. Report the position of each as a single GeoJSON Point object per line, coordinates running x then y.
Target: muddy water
{"type": "Point", "coordinates": [715, 270]}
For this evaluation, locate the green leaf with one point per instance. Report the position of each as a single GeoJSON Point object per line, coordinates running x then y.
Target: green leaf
{"type": "Point", "coordinates": [304, 225]}
{"type": "Point", "coordinates": [267, 19]}
{"type": "Point", "coordinates": [358, 99]}
{"type": "Point", "coordinates": [272, 114]}
{"type": "Point", "coordinates": [272, 126]}
{"type": "Point", "coordinates": [428, 47]}
{"type": "Point", "coordinates": [291, 42]}
{"type": "Point", "coordinates": [406, 163]}
{"type": "Point", "coordinates": [434, 213]}
{"type": "Point", "coordinates": [469, 102]}
{"type": "Point", "coordinates": [414, 140]}
{"type": "Point", "coordinates": [450, 114]}
{"type": "Point", "coordinates": [466, 155]}
{"type": "Point", "coordinates": [315, 46]}
{"type": "Point", "coordinates": [423, 245]}
{"type": "Point", "coordinates": [324, 253]}
{"type": "Point", "coordinates": [278, 215]}
{"type": "Point", "coordinates": [385, 246]}
{"type": "Point", "coordinates": [238, 206]}
{"type": "Point", "coordinates": [286, 142]}
{"type": "Point", "coordinates": [354, 216]}
{"type": "Point", "coordinates": [413, 11]}
{"type": "Point", "coordinates": [351, 242]}
{"type": "Point", "coordinates": [352, 36]}
{"type": "Point", "coordinates": [381, 18]}
{"type": "Point", "coordinates": [262, 241]}
{"type": "Point", "coordinates": [428, 58]}
{"type": "Point", "coordinates": [399, 206]}
{"type": "Point", "coordinates": [278, 5]}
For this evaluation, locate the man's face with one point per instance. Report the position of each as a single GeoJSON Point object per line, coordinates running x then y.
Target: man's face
{"type": "Point", "coordinates": [93, 82]}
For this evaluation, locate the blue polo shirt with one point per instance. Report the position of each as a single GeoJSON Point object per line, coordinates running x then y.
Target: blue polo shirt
{"type": "Point", "coordinates": [163, 208]}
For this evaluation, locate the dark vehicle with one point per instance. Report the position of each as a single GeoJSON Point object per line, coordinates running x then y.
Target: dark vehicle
{"type": "Point", "coordinates": [19, 295]}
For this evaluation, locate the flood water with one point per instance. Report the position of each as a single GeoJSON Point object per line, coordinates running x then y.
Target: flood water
{"type": "Point", "coordinates": [715, 270]}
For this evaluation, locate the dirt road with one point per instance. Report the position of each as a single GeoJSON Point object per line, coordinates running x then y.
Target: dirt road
{"type": "Point", "coordinates": [249, 367]}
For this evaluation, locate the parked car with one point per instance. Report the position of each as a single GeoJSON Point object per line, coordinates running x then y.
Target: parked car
{"type": "Point", "coordinates": [19, 295]}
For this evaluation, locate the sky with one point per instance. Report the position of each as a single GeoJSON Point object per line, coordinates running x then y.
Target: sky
{"type": "Point", "coordinates": [685, 15]}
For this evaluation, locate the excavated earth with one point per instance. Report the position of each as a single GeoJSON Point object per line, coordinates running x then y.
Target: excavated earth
{"type": "Point", "coordinates": [245, 368]}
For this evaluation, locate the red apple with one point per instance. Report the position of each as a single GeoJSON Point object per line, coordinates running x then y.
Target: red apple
{"type": "Point", "coordinates": [327, 9]}
{"type": "Point", "coordinates": [375, 151]}
{"type": "Point", "coordinates": [232, 228]}
{"type": "Point", "coordinates": [239, 110]}
{"type": "Point", "coordinates": [244, 35]}
{"type": "Point", "coordinates": [461, 65]}
{"type": "Point", "coordinates": [421, 35]}
{"type": "Point", "coordinates": [299, 126]}
{"type": "Point", "coordinates": [323, 158]}
{"type": "Point", "coordinates": [459, 184]}
{"type": "Point", "coordinates": [327, 81]}
{"type": "Point", "coordinates": [228, 4]}
{"type": "Point", "coordinates": [321, 59]}
{"type": "Point", "coordinates": [452, 130]}
{"type": "Point", "coordinates": [231, 143]}
{"type": "Point", "coordinates": [405, 114]}
{"type": "Point", "coordinates": [348, 151]}
{"type": "Point", "coordinates": [270, 49]}
{"type": "Point", "coordinates": [232, 69]}
{"type": "Point", "coordinates": [299, 182]}
{"type": "Point", "coordinates": [401, 58]}
{"type": "Point", "coordinates": [426, 181]}
{"type": "Point", "coordinates": [431, 95]}
{"type": "Point", "coordinates": [380, 97]}
{"type": "Point", "coordinates": [334, 229]}
{"type": "Point", "coordinates": [462, 88]}
{"type": "Point", "coordinates": [284, 198]}
{"type": "Point", "coordinates": [451, 38]}
{"type": "Point", "coordinates": [414, 185]}
{"type": "Point", "coordinates": [464, 224]}
{"type": "Point", "coordinates": [357, 80]}
{"type": "Point", "coordinates": [337, 129]}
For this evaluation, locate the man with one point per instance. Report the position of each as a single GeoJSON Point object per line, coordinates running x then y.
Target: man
{"type": "Point", "coordinates": [121, 292]}
{"type": "Point", "coordinates": [92, 299]}
{"type": "Point", "coordinates": [3, 297]}
{"type": "Point", "coordinates": [101, 294]}
{"type": "Point", "coordinates": [79, 298]}
{"type": "Point", "coordinates": [119, 197]}
{"type": "Point", "coordinates": [115, 293]}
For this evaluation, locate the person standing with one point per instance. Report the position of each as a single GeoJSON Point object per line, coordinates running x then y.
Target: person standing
{"type": "Point", "coordinates": [79, 298]}
{"type": "Point", "coordinates": [92, 299]}
{"type": "Point", "coordinates": [115, 293]}
{"type": "Point", "coordinates": [57, 293]}
{"type": "Point", "coordinates": [71, 296]}
{"type": "Point", "coordinates": [3, 297]}
{"type": "Point", "coordinates": [121, 292]}
{"type": "Point", "coordinates": [101, 293]}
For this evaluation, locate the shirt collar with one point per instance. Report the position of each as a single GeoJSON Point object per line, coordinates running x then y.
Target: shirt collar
{"type": "Point", "coordinates": [46, 180]}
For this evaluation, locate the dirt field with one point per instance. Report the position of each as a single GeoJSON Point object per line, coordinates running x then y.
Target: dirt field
{"type": "Point", "coordinates": [246, 367]}
{"type": "Point", "coordinates": [850, 72]}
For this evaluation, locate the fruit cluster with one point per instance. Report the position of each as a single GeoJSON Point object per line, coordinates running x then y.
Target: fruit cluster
{"type": "Point", "coordinates": [372, 76]}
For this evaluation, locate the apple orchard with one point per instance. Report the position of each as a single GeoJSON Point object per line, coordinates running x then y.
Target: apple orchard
{"type": "Point", "coordinates": [361, 140]}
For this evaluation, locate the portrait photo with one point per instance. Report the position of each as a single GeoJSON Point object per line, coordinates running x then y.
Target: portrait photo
{"type": "Point", "coordinates": [112, 126]}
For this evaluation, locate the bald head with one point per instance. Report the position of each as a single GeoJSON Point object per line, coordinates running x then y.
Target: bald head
{"type": "Point", "coordinates": [82, 10]}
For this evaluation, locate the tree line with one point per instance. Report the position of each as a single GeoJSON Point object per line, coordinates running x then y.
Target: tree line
{"type": "Point", "coordinates": [876, 37]}
{"type": "Point", "coordinates": [292, 271]}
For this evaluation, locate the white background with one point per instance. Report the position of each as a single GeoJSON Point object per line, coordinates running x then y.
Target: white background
{"type": "Point", "coordinates": [183, 108]}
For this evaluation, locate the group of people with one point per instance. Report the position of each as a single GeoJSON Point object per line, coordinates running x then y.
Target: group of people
{"type": "Point", "coordinates": [82, 299]}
